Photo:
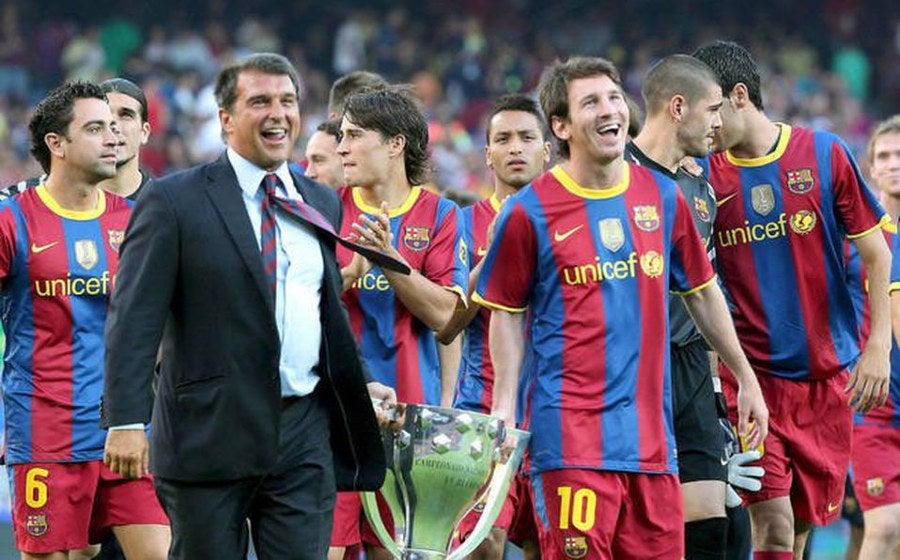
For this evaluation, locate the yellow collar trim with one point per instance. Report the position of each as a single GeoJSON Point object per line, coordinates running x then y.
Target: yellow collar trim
{"type": "Point", "coordinates": [784, 135]}
{"type": "Point", "coordinates": [393, 212]}
{"type": "Point", "coordinates": [573, 187]}
{"type": "Point", "coordinates": [54, 206]}
{"type": "Point", "coordinates": [495, 203]}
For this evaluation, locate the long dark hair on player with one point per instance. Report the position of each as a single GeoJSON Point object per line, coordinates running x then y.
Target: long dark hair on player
{"type": "Point", "coordinates": [55, 113]}
{"type": "Point", "coordinates": [732, 65]}
{"type": "Point", "coordinates": [392, 112]}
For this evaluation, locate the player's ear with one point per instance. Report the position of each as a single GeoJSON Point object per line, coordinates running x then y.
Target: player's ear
{"type": "Point", "coordinates": [676, 107]}
{"type": "Point", "coordinates": [53, 141]}
{"type": "Point", "coordinates": [548, 147]}
{"type": "Point", "coordinates": [487, 157]}
{"type": "Point", "coordinates": [739, 95]}
{"type": "Point", "coordinates": [560, 127]}
{"type": "Point", "coordinates": [396, 145]}
{"type": "Point", "coordinates": [145, 133]}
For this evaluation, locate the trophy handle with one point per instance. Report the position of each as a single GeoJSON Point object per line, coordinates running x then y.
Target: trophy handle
{"type": "Point", "coordinates": [370, 504]}
{"type": "Point", "coordinates": [496, 497]}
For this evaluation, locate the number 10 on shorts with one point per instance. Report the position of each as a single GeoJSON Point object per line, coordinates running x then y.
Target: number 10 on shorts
{"type": "Point", "coordinates": [577, 509]}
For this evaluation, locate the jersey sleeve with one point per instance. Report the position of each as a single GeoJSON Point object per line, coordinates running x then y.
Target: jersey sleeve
{"type": "Point", "coordinates": [446, 263]}
{"type": "Point", "coordinates": [690, 269]}
{"type": "Point", "coordinates": [508, 270]}
{"type": "Point", "coordinates": [8, 232]}
{"type": "Point", "coordinates": [856, 205]}
{"type": "Point", "coordinates": [895, 264]}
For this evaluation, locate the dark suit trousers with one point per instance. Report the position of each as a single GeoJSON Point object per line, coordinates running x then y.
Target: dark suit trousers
{"type": "Point", "coordinates": [290, 509]}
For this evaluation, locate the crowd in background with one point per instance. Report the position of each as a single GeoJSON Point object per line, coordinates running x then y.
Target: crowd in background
{"type": "Point", "coordinates": [833, 64]}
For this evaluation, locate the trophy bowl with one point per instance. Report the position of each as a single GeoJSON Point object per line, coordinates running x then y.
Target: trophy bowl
{"type": "Point", "coordinates": [441, 462]}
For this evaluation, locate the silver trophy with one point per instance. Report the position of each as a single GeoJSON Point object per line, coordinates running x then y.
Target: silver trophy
{"type": "Point", "coordinates": [441, 463]}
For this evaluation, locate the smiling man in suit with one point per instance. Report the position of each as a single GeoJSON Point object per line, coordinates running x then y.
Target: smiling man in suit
{"type": "Point", "coordinates": [252, 389]}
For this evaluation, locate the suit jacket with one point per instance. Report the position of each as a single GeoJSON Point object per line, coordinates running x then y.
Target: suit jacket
{"type": "Point", "coordinates": [191, 273]}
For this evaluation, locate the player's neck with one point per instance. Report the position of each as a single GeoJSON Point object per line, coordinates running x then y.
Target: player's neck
{"type": "Point", "coordinates": [394, 194]}
{"type": "Point", "coordinates": [503, 190]}
{"type": "Point", "coordinates": [72, 194]}
{"type": "Point", "coordinates": [592, 174]}
{"type": "Point", "coordinates": [127, 180]}
{"type": "Point", "coordinates": [761, 135]}
{"type": "Point", "coordinates": [891, 206]}
{"type": "Point", "coordinates": [660, 144]}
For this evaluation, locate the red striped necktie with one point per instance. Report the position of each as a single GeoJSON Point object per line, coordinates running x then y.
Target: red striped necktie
{"type": "Point", "coordinates": [309, 215]}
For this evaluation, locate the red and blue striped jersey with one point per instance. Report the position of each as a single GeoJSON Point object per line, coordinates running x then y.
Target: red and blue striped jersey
{"type": "Point", "coordinates": [474, 385]}
{"type": "Point", "coordinates": [58, 268]}
{"type": "Point", "coordinates": [595, 269]}
{"type": "Point", "coordinates": [889, 412]}
{"type": "Point", "coordinates": [779, 232]}
{"type": "Point", "coordinates": [399, 350]}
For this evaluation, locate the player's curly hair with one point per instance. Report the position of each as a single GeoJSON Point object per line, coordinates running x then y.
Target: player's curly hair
{"type": "Point", "coordinates": [55, 113]}
{"type": "Point", "coordinates": [732, 64]}
{"type": "Point", "coordinates": [554, 87]}
{"type": "Point", "coordinates": [391, 112]}
{"type": "Point", "coordinates": [514, 102]}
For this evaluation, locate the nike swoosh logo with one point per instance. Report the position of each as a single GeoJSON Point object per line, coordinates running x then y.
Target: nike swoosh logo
{"type": "Point", "coordinates": [41, 248]}
{"type": "Point", "coordinates": [724, 462]}
{"type": "Point", "coordinates": [722, 201]}
{"type": "Point", "coordinates": [481, 252]}
{"type": "Point", "coordinates": [832, 507]}
{"type": "Point", "coordinates": [559, 237]}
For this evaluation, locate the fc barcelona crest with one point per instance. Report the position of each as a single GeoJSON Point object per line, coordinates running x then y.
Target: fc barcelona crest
{"type": "Point", "coordinates": [36, 524]}
{"type": "Point", "coordinates": [417, 238]}
{"type": "Point", "coordinates": [576, 547]}
{"type": "Point", "coordinates": [612, 234]}
{"type": "Point", "coordinates": [115, 237]}
{"type": "Point", "coordinates": [875, 486]}
{"type": "Point", "coordinates": [800, 181]}
{"type": "Point", "coordinates": [646, 217]}
{"type": "Point", "coordinates": [86, 253]}
{"type": "Point", "coordinates": [702, 208]}
{"type": "Point", "coordinates": [763, 198]}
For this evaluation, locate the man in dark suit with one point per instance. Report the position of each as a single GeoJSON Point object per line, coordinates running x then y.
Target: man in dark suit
{"type": "Point", "coordinates": [259, 372]}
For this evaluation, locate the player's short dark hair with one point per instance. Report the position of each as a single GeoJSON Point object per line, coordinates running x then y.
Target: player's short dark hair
{"type": "Point", "coordinates": [635, 117]}
{"type": "Point", "coordinates": [267, 63]}
{"type": "Point", "coordinates": [391, 112]}
{"type": "Point", "coordinates": [554, 87]}
{"type": "Point", "coordinates": [732, 64]}
{"type": "Point", "coordinates": [677, 74]}
{"type": "Point", "coordinates": [515, 102]}
{"type": "Point", "coordinates": [348, 84]}
{"type": "Point", "coordinates": [891, 125]}
{"type": "Point", "coordinates": [331, 127]}
{"type": "Point", "coordinates": [55, 113]}
{"type": "Point", "coordinates": [129, 88]}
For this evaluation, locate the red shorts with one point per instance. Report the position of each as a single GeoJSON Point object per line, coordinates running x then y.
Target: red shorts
{"type": "Point", "coordinates": [606, 515]}
{"type": "Point", "coordinates": [503, 521]}
{"type": "Point", "coordinates": [347, 519]}
{"type": "Point", "coordinates": [807, 452]}
{"type": "Point", "coordinates": [67, 506]}
{"type": "Point", "coordinates": [523, 529]}
{"type": "Point", "coordinates": [350, 524]}
{"type": "Point", "coordinates": [876, 465]}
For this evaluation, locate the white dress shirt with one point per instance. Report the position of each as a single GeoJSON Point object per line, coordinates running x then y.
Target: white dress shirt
{"type": "Point", "coordinates": [298, 278]}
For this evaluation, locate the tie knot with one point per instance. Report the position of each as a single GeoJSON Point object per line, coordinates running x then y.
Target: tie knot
{"type": "Point", "coordinates": [270, 184]}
